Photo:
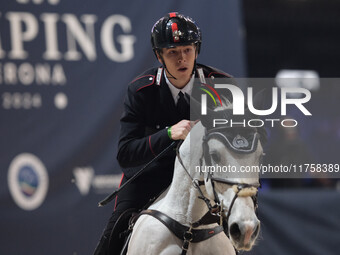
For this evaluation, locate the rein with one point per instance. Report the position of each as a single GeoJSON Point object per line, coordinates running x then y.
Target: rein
{"type": "Point", "coordinates": [110, 197]}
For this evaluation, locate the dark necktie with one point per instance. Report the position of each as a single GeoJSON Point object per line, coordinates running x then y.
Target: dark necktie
{"type": "Point", "coordinates": [183, 107]}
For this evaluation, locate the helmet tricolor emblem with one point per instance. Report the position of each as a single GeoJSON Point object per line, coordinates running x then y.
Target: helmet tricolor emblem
{"type": "Point", "coordinates": [175, 32]}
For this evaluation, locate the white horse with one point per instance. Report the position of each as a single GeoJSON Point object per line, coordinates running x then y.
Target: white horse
{"type": "Point", "coordinates": [183, 202]}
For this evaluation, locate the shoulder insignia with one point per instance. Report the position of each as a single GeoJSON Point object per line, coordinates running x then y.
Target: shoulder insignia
{"type": "Point", "coordinates": [201, 75]}
{"type": "Point", "coordinates": [159, 76]}
{"type": "Point", "coordinates": [143, 81]}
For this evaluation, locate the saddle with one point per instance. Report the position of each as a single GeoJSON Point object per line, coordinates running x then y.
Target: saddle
{"type": "Point", "coordinates": [121, 232]}
{"type": "Point", "coordinates": [122, 229]}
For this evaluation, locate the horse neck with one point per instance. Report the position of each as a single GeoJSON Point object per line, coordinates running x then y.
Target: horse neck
{"type": "Point", "coordinates": [182, 197]}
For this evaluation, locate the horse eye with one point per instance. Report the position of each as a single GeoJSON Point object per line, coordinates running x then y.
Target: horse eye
{"type": "Point", "coordinates": [215, 157]}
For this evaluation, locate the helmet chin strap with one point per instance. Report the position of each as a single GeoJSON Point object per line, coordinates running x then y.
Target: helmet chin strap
{"type": "Point", "coordinates": [193, 69]}
{"type": "Point", "coordinates": [163, 63]}
{"type": "Point", "coordinates": [196, 54]}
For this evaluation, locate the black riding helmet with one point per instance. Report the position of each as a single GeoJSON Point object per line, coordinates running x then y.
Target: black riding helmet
{"type": "Point", "coordinates": [173, 30]}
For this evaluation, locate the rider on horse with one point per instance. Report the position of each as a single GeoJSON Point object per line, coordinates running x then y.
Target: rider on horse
{"type": "Point", "coordinates": [156, 113]}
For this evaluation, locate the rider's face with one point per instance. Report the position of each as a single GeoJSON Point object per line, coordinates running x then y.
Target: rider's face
{"type": "Point", "coordinates": [179, 62]}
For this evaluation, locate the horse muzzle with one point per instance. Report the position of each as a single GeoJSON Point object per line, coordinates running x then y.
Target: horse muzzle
{"type": "Point", "coordinates": [243, 234]}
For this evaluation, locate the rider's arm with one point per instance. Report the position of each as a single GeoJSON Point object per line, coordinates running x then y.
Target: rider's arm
{"type": "Point", "coordinates": [135, 147]}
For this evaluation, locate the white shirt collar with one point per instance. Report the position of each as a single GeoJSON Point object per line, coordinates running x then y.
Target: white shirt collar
{"type": "Point", "coordinates": [186, 89]}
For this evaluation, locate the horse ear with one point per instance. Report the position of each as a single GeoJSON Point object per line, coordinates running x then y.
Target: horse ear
{"type": "Point", "coordinates": [226, 102]}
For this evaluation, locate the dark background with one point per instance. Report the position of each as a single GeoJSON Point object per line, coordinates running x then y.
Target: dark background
{"type": "Point", "coordinates": [249, 38]}
{"type": "Point", "coordinates": [292, 34]}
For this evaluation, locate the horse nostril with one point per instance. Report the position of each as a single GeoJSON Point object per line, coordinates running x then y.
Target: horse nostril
{"type": "Point", "coordinates": [256, 232]}
{"type": "Point", "coordinates": [235, 231]}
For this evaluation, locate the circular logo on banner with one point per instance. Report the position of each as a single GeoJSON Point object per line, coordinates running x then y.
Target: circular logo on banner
{"type": "Point", "coordinates": [27, 181]}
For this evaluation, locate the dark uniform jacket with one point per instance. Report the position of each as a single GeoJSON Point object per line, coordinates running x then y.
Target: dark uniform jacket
{"type": "Point", "coordinates": [149, 109]}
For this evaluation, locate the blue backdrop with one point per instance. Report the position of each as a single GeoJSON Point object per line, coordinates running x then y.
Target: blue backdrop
{"type": "Point", "coordinates": [64, 70]}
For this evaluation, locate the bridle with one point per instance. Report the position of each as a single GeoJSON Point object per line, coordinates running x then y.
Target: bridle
{"type": "Point", "coordinates": [240, 189]}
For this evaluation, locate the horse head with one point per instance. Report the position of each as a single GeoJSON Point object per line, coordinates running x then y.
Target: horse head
{"type": "Point", "coordinates": [229, 162]}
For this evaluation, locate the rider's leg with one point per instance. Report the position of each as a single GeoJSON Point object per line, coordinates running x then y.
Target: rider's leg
{"type": "Point", "coordinates": [130, 197]}
{"type": "Point", "coordinates": [103, 247]}
{"type": "Point", "coordinates": [135, 195]}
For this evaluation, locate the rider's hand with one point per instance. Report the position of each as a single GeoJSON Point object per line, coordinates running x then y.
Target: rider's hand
{"type": "Point", "coordinates": [180, 130]}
